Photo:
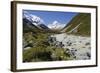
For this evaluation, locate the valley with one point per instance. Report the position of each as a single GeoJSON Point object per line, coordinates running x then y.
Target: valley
{"type": "Point", "coordinates": [43, 43]}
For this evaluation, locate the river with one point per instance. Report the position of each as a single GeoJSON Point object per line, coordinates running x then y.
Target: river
{"type": "Point", "coordinates": [78, 46]}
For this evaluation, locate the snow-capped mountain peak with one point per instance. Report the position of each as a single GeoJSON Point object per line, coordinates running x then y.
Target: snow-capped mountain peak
{"type": "Point", "coordinates": [27, 15]}
{"type": "Point", "coordinates": [56, 25]}
{"type": "Point", "coordinates": [37, 20]}
{"type": "Point", "coordinates": [33, 18]}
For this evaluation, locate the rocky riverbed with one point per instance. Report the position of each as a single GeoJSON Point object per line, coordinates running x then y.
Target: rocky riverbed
{"type": "Point", "coordinates": [78, 47]}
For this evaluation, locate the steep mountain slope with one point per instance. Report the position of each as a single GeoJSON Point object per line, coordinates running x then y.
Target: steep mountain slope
{"type": "Point", "coordinates": [29, 27]}
{"type": "Point", "coordinates": [80, 25]}
{"type": "Point", "coordinates": [33, 20]}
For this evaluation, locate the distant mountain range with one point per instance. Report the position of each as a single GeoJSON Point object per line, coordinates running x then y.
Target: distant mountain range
{"type": "Point", "coordinates": [80, 24]}
{"type": "Point", "coordinates": [40, 23]}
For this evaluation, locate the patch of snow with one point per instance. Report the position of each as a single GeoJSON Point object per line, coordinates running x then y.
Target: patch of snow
{"type": "Point", "coordinates": [27, 48]}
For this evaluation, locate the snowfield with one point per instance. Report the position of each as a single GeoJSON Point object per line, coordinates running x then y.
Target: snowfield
{"type": "Point", "coordinates": [78, 46]}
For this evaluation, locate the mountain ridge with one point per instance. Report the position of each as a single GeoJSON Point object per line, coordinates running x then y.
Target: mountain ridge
{"type": "Point", "coordinates": [32, 21]}
{"type": "Point", "coordinates": [84, 19]}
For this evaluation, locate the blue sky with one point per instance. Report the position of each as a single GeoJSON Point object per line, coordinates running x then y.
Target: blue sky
{"type": "Point", "coordinates": [51, 16]}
